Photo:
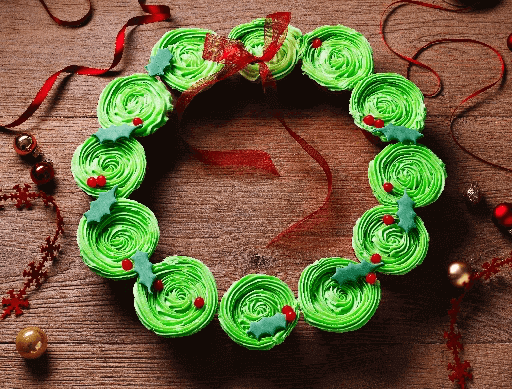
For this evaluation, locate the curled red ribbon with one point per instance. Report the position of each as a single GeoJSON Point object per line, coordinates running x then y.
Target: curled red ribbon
{"type": "Point", "coordinates": [69, 23]}
{"type": "Point", "coordinates": [157, 13]}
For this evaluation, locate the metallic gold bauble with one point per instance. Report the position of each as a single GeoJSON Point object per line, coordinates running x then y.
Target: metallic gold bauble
{"type": "Point", "coordinates": [31, 342]}
{"type": "Point", "coordinates": [459, 273]}
{"type": "Point", "coordinates": [25, 144]}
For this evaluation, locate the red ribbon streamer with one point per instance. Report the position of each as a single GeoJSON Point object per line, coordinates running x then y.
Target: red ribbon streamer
{"type": "Point", "coordinates": [157, 13]}
{"type": "Point", "coordinates": [71, 23]}
{"type": "Point", "coordinates": [413, 61]}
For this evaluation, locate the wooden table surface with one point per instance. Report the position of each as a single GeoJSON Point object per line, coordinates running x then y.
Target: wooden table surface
{"type": "Point", "coordinates": [225, 217]}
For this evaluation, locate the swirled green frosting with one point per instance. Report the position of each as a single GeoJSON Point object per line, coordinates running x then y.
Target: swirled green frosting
{"type": "Point", "coordinates": [171, 312]}
{"type": "Point", "coordinates": [123, 163]}
{"type": "Point", "coordinates": [343, 59]}
{"type": "Point", "coordinates": [390, 97]}
{"type": "Point", "coordinates": [331, 307]}
{"type": "Point", "coordinates": [252, 35]}
{"type": "Point", "coordinates": [251, 298]}
{"type": "Point", "coordinates": [187, 64]}
{"type": "Point", "coordinates": [135, 96]}
{"type": "Point", "coordinates": [400, 251]}
{"type": "Point", "coordinates": [130, 227]}
{"type": "Point", "coordinates": [414, 168]}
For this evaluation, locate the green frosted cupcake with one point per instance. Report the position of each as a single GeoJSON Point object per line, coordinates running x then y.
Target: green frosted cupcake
{"type": "Point", "coordinates": [330, 306]}
{"type": "Point", "coordinates": [136, 96]}
{"type": "Point", "coordinates": [336, 57]}
{"type": "Point", "coordinates": [400, 251]}
{"type": "Point", "coordinates": [250, 299]}
{"type": "Point", "coordinates": [122, 163]}
{"type": "Point", "coordinates": [252, 35]}
{"type": "Point", "coordinates": [389, 97]}
{"type": "Point", "coordinates": [187, 64]}
{"type": "Point", "coordinates": [412, 168]}
{"type": "Point", "coordinates": [171, 312]}
{"type": "Point", "coordinates": [130, 227]}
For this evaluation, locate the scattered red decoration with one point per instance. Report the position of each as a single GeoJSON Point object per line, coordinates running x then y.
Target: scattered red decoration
{"type": "Point", "coordinates": [316, 43]}
{"type": "Point", "coordinates": [91, 182]}
{"type": "Point", "coordinates": [137, 121]}
{"type": "Point", "coordinates": [388, 187]}
{"type": "Point", "coordinates": [158, 285]}
{"type": "Point", "coordinates": [36, 271]}
{"type": "Point", "coordinates": [101, 181]}
{"type": "Point", "coordinates": [388, 219]}
{"type": "Point", "coordinates": [371, 278]}
{"type": "Point", "coordinates": [460, 369]}
{"type": "Point", "coordinates": [376, 258]}
{"type": "Point", "coordinates": [127, 264]}
{"type": "Point", "coordinates": [42, 173]}
{"type": "Point", "coordinates": [509, 42]}
{"type": "Point", "coordinates": [379, 123]}
{"type": "Point", "coordinates": [199, 302]}
{"type": "Point", "coordinates": [503, 214]}
{"type": "Point", "coordinates": [369, 120]}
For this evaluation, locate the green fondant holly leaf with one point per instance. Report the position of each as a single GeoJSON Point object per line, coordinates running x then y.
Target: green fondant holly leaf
{"type": "Point", "coordinates": [113, 133]}
{"type": "Point", "coordinates": [267, 326]}
{"type": "Point", "coordinates": [354, 271]}
{"type": "Point", "coordinates": [101, 206]}
{"type": "Point", "coordinates": [406, 212]}
{"type": "Point", "coordinates": [399, 133]}
{"type": "Point", "coordinates": [159, 62]}
{"type": "Point", "coordinates": [144, 269]}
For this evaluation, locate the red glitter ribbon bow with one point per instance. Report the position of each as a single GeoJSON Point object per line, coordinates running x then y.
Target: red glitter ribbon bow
{"type": "Point", "coordinates": [235, 57]}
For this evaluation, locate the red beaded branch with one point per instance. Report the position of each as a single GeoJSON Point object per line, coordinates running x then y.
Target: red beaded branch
{"type": "Point", "coordinates": [35, 273]}
{"type": "Point", "coordinates": [460, 369]}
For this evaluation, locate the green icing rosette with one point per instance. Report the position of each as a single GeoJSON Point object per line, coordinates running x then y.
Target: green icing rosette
{"type": "Point", "coordinates": [400, 251]}
{"type": "Point", "coordinates": [171, 312]}
{"type": "Point", "coordinates": [136, 96]}
{"type": "Point", "coordinates": [330, 306]}
{"type": "Point", "coordinates": [123, 163]}
{"type": "Point", "coordinates": [130, 227]}
{"type": "Point", "coordinates": [250, 299]}
{"type": "Point", "coordinates": [343, 59]}
{"type": "Point", "coordinates": [414, 168]}
{"type": "Point", "coordinates": [252, 35]}
{"type": "Point", "coordinates": [390, 97]}
{"type": "Point", "coordinates": [187, 64]}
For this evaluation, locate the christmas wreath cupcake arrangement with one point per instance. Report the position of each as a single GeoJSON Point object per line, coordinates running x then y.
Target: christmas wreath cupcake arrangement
{"type": "Point", "coordinates": [178, 296]}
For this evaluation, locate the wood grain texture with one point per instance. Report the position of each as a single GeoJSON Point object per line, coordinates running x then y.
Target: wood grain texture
{"type": "Point", "coordinates": [224, 217]}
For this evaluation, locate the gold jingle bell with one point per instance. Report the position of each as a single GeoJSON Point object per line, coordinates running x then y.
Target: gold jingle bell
{"type": "Point", "coordinates": [459, 274]}
{"type": "Point", "coordinates": [31, 342]}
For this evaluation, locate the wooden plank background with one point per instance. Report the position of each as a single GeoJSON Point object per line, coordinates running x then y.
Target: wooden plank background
{"type": "Point", "coordinates": [225, 218]}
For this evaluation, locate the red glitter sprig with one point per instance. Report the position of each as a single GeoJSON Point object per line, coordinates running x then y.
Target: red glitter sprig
{"type": "Point", "coordinates": [36, 271]}
{"type": "Point", "coordinates": [460, 369]}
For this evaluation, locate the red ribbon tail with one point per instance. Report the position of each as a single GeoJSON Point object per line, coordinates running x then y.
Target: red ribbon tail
{"type": "Point", "coordinates": [313, 153]}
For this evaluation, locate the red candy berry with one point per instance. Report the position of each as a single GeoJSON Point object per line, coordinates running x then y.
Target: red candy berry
{"type": "Point", "coordinates": [388, 219]}
{"type": "Point", "coordinates": [388, 187]}
{"type": "Point", "coordinates": [199, 302]}
{"type": "Point", "coordinates": [101, 181]}
{"type": "Point", "coordinates": [369, 120]}
{"type": "Point", "coordinates": [509, 42]}
{"type": "Point", "coordinates": [127, 264]}
{"type": "Point", "coordinates": [371, 278]}
{"type": "Point", "coordinates": [137, 121]}
{"type": "Point", "coordinates": [376, 258]}
{"type": "Point", "coordinates": [379, 123]}
{"type": "Point", "coordinates": [286, 308]}
{"type": "Point", "coordinates": [316, 43]}
{"type": "Point", "coordinates": [290, 316]}
{"type": "Point", "coordinates": [158, 285]}
{"type": "Point", "coordinates": [92, 182]}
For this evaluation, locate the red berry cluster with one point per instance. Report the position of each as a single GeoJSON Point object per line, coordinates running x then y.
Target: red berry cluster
{"type": "Point", "coordinates": [289, 313]}
{"type": "Point", "coordinates": [93, 182]}
{"type": "Point", "coordinates": [316, 43]}
{"type": "Point", "coordinates": [371, 121]}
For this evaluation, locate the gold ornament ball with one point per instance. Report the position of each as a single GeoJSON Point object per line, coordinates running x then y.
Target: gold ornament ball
{"type": "Point", "coordinates": [31, 342]}
{"type": "Point", "coordinates": [459, 273]}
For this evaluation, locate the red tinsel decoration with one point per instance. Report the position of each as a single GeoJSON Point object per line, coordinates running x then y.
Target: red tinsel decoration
{"type": "Point", "coordinates": [36, 272]}
{"type": "Point", "coordinates": [460, 369]}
